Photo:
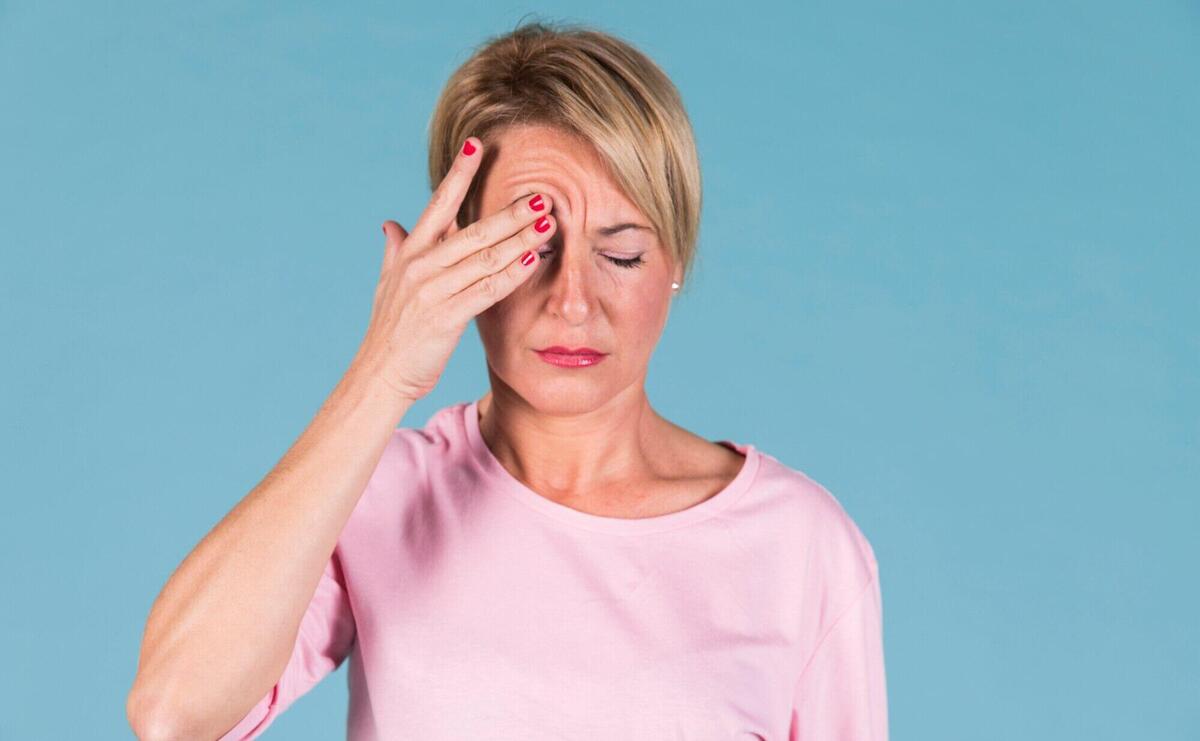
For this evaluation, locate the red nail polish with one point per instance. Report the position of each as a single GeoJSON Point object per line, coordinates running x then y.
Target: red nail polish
{"type": "Point", "coordinates": [468, 147]}
{"type": "Point", "coordinates": [542, 224]}
{"type": "Point", "coordinates": [527, 258]}
{"type": "Point", "coordinates": [536, 203]}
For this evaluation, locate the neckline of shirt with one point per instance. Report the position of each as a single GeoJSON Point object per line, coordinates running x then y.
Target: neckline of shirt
{"type": "Point", "coordinates": [495, 471]}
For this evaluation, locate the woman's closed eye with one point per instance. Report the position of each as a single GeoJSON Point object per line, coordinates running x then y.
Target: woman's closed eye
{"type": "Point", "coordinates": [625, 262]}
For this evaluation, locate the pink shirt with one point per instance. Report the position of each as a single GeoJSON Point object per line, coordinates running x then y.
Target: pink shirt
{"type": "Point", "coordinates": [472, 607]}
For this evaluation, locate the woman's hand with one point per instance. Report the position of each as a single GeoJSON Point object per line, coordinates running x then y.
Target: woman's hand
{"type": "Point", "coordinates": [437, 278]}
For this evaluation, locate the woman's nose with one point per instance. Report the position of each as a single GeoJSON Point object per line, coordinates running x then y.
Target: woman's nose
{"type": "Point", "coordinates": [570, 280]}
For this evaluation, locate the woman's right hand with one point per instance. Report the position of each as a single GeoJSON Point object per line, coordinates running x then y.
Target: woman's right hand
{"type": "Point", "coordinates": [437, 278]}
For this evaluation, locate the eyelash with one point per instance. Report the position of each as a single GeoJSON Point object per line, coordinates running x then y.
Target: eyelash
{"type": "Point", "coordinates": [624, 262]}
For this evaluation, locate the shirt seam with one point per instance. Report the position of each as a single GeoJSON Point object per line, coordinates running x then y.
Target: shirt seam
{"type": "Point", "coordinates": [854, 603]}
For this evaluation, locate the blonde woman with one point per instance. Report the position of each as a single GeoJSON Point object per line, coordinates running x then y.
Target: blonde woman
{"type": "Point", "coordinates": [553, 560]}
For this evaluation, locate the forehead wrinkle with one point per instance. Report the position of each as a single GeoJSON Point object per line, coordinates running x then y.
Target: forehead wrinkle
{"type": "Point", "coordinates": [523, 184]}
{"type": "Point", "coordinates": [557, 174]}
{"type": "Point", "coordinates": [568, 172]}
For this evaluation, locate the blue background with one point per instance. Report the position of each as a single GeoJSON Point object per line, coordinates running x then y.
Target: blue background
{"type": "Point", "coordinates": [948, 268]}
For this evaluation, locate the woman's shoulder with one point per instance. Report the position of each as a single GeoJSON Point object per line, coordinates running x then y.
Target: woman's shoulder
{"type": "Point", "coordinates": [802, 489]}
{"type": "Point", "coordinates": [442, 434]}
{"type": "Point", "coordinates": [411, 452]}
{"type": "Point", "coordinates": [816, 516]}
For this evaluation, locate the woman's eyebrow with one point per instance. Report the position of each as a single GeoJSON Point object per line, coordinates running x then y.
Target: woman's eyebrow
{"type": "Point", "coordinates": [608, 231]}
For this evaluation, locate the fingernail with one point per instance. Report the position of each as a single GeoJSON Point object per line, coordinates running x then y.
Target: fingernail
{"type": "Point", "coordinates": [468, 147]}
{"type": "Point", "coordinates": [527, 258]}
{"type": "Point", "coordinates": [542, 224]}
{"type": "Point", "coordinates": [536, 203]}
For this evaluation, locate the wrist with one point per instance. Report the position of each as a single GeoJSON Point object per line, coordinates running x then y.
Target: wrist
{"type": "Point", "coordinates": [368, 378]}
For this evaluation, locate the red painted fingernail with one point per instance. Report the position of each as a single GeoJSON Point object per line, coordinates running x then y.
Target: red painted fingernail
{"type": "Point", "coordinates": [536, 203]}
{"type": "Point", "coordinates": [468, 147]}
{"type": "Point", "coordinates": [527, 258]}
{"type": "Point", "coordinates": [542, 224]}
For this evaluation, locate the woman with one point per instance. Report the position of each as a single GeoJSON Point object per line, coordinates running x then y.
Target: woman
{"type": "Point", "coordinates": [553, 559]}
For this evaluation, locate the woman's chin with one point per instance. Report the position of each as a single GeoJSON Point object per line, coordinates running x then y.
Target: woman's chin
{"type": "Point", "coordinates": [566, 395]}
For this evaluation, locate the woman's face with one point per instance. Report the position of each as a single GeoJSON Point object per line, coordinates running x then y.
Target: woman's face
{"type": "Point", "coordinates": [577, 297]}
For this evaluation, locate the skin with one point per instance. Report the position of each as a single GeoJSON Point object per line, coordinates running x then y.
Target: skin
{"type": "Point", "coordinates": [587, 438]}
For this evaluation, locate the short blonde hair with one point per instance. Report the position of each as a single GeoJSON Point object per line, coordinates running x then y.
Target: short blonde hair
{"type": "Point", "coordinates": [591, 84]}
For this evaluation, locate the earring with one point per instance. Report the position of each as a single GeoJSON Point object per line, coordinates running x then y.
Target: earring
{"type": "Point", "coordinates": [674, 286]}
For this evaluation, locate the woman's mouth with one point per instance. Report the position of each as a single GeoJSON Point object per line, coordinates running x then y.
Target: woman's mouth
{"type": "Point", "coordinates": [565, 357]}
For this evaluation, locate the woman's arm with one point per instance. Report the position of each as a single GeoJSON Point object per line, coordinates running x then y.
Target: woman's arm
{"type": "Point", "coordinates": [221, 633]}
{"type": "Point", "coordinates": [224, 626]}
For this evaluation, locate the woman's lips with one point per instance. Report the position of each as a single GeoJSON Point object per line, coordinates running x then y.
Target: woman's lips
{"type": "Point", "coordinates": [570, 358]}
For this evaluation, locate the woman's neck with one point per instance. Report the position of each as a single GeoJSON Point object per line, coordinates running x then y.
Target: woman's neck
{"type": "Point", "coordinates": [575, 456]}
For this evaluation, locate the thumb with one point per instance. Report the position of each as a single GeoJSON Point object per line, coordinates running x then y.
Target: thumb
{"type": "Point", "coordinates": [394, 234]}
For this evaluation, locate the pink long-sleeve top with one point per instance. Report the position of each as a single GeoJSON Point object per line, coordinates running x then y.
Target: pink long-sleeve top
{"type": "Point", "coordinates": [472, 607]}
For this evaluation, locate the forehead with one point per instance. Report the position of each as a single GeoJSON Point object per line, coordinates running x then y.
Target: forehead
{"type": "Point", "coordinates": [537, 157]}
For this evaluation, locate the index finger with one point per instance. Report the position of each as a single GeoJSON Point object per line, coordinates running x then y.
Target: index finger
{"type": "Point", "coordinates": [448, 197]}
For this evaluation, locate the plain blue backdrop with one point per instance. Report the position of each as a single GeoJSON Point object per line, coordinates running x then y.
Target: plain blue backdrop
{"type": "Point", "coordinates": [948, 268]}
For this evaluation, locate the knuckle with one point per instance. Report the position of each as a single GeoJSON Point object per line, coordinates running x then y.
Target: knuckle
{"type": "Point", "coordinates": [489, 259]}
{"type": "Point", "coordinates": [439, 193]}
{"type": "Point", "coordinates": [474, 231]}
{"type": "Point", "coordinates": [438, 201]}
{"type": "Point", "coordinates": [488, 287]}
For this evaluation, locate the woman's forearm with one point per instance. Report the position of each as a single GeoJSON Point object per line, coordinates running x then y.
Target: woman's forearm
{"type": "Point", "coordinates": [225, 623]}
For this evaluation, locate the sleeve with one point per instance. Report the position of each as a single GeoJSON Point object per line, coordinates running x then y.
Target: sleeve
{"type": "Point", "coordinates": [323, 641]}
{"type": "Point", "coordinates": [841, 694]}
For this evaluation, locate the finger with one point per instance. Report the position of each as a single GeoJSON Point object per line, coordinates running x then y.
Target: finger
{"type": "Point", "coordinates": [490, 230]}
{"type": "Point", "coordinates": [394, 235]}
{"type": "Point", "coordinates": [446, 200]}
{"type": "Point", "coordinates": [492, 288]}
{"type": "Point", "coordinates": [490, 260]}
